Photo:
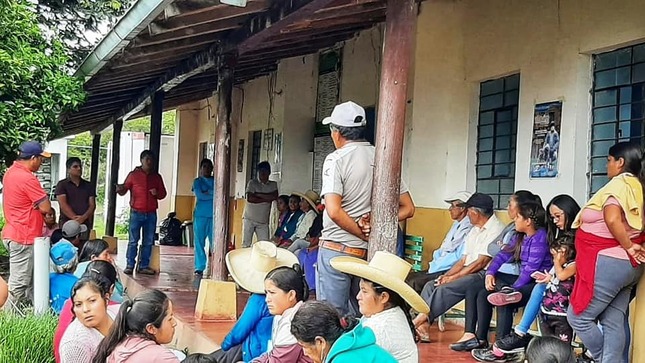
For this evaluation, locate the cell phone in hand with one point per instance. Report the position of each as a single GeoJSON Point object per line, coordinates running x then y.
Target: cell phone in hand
{"type": "Point", "coordinates": [537, 275]}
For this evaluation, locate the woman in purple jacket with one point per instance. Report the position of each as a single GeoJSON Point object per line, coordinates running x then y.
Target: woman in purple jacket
{"type": "Point", "coordinates": [530, 248]}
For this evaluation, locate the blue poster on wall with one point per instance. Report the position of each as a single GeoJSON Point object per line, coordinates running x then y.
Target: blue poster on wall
{"type": "Point", "coordinates": [545, 146]}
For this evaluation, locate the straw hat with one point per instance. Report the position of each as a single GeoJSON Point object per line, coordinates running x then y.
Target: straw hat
{"type": "Point", "coordinates": [311, 197]}
{"type": "Point", "coordinates": [385, 269]}
{"type": "Point", "coordinates": [249, 266]}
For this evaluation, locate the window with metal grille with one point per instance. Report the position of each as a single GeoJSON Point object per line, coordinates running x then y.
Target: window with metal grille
{"type": "Point", "coordinates": [496, 138]}
{"type": "Point", "coordinates": [256, 149]}
{"type": "Point", "coordinates": [618, 97]}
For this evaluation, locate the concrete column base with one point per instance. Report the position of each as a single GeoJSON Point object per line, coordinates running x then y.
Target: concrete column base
{"type": "Point", "coordinates": [113, 242]}
{"type": "Point", "coordinates": [216, 300]}
{"type": "Point", "coordinates": [155, 263]}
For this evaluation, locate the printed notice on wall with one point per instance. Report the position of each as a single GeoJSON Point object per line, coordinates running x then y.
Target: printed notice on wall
{"type": "Point", "coordinates": [545, 148]}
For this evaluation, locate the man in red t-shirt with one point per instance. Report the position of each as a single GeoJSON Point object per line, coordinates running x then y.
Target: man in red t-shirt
{"type": "Point", "coordinates": [146, 188]}
{"type": "Point", "coordinates": [25, 203]}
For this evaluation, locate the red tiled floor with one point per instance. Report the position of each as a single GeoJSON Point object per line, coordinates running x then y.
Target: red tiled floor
{"type": "Point", "coordinates": [177, 280]}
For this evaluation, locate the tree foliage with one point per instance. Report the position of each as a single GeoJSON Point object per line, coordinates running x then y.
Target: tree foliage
{"type": "Point", "coordinates": [79, 24]}
{"type": "Point", "coordinates": [34, 86]}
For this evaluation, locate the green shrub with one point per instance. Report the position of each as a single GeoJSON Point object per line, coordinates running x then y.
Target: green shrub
{"type": "Point", "coordinates": [27, 339]}
{"type": "Point", "coordinates": [3, 250]}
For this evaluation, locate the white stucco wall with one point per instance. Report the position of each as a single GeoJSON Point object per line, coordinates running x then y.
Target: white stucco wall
{"type": "Point", "coordinates": [550, 43]}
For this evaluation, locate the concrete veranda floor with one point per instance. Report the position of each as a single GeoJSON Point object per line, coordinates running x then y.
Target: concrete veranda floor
{"type": "Point", "coordinates": [177, 280]}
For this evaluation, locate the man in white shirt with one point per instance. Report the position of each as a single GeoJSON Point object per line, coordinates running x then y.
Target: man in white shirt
{"type": "Point", "coordinates": [450, 288]}
{"type": "Point", "coordinates": [452, 247]}
{"type": "Point", "coordinates": [347, 191]}
{"type": "Point", "coordinates": [260, 193]}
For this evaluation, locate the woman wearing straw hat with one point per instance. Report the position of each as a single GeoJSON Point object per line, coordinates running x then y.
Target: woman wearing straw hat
{"type": "Point", "coordinates": [249, 266]}
{"type": "Point", "coordinates": [384, 300]}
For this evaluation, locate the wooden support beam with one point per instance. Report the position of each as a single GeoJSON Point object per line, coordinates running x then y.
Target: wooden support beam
{"type": "Point", "coordinates": [212, 28]}
{"type": "Point", "coordinates": [94, 167]}
{"type": "Point", "coordinates": [212, 14]}
{"type": "Point", "coordinates": [400, 27]}
{"type": "Point", "coordinates": [114, 178]}
{"type": "Point", "coordinates": [270, 23]}
{"type": "Point", "coordinates": [155, 126]}
{"type": "Point", "coordinates": [222, 166]}
{"type": "Point", "coordinates": [188, 68]}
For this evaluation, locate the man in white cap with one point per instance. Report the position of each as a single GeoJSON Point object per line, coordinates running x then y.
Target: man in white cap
{"type": "Point", "coordinates": [452, 247]}
{"type": "Point", "coordinates": [347, 189]}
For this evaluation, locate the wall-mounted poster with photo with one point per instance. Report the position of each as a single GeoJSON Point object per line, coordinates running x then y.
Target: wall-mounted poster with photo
{"type": "Point", "coordinates": [545, 148]}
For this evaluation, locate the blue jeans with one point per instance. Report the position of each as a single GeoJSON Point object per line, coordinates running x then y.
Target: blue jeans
{"type": "Point", "coordinates": [615, 278]}
{"type": "Point", "coordinates": [335, 287]}
{"type": "Point", "coordinates": [203, 228]}
{"type": "Point", "coordinates": [147, 222]}
{"type": "Point", "coordinates": [531, 309]}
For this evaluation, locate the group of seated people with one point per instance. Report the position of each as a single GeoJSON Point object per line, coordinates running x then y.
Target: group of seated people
{"type": "Point", "coordinates": [573, 269]}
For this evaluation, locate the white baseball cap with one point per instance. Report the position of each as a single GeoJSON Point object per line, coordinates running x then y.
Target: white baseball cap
{"type": "Point", "coordinates": [462, 196]}
{"type": "Point", "coordinates": [348, 114]}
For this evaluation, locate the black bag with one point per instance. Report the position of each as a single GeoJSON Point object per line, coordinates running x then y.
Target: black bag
{"type": "Point", "coordinates": [170, 231]}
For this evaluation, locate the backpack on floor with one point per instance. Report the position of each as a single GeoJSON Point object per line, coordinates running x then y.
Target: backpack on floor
{"type": "Point", "coordinates": [170, 231]}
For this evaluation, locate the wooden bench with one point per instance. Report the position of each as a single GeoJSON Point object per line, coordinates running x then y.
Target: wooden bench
{"type": "Point", "coordinates": [414, 251]}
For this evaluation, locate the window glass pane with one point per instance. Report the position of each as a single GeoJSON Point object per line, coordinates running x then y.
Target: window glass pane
{"type": "Point", "coordinates": [512, 82]}
{"type": "Point", "coordinates": [503, 156]}
{"type": "Point", "coordinates": [503, 142]}
{"type": "Point", "coordinates": [598, 182]}
{"type": "Point", "coordinates": [613, 77]}
{"type": "Point", "coordinates": [505, 128]}
{"type": "Point", "coordinates": [485, 171]}
{"type": "Point", "coordinates": [507, 186]}
{"type": "Point", "coordinates": [485, 144]}
{"type": "Point", "coordinates": [626, 95]}
{"type": "Point", "coordinates": [485, 158]}
{"type": "Point", "coordinates": [599, 165]}
{"type": "Point", "coordinates": [486, 118]}
{"type": "Point", "coordinates": [486, 131]}
{"type": "Point", "coordinates": [637, 110]}
{"type": "Point", "coordinates": [638, 92]}
{"type": "Point", "coordinates": [490, 87]}
{"type": "Point", "coordinates": [604, 131]}
{"type": "Point", "coordinates": [613, 59]}
{"type": "Point", "coordinates": [639, 73]}
{"type": "Point", "coordinates": [625, 112]}
{"type": "Point", "coordinates": [639, 53]}
{"type": "Point", "coordinates": [605, 98]}
{"type": "Point", "coordinates": [503, 201]}
{"type": "Point", "coordinates": [488, 186]}
{"type": "Point", "coordinates": [624, 129]}
{"type": "Point", "coordinates": [491, 102]}
{"type": "Point", "coordinates": [600, 148]}
{"type": "Point", "coordinates": [514, 110]}
{"type": "Point", "coordinates": [503, 170]}
{"type": "Point", "coordinates": [511, 98]}
{"type": "Point", "coordinates": [504, 116]}
{"type": "Point", "coordinates": [604, 114]}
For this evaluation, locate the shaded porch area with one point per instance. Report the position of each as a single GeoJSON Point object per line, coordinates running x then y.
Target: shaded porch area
{"type": "Point", "coordinates": [176, 279]}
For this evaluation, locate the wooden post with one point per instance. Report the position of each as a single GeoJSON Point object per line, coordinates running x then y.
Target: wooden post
{"type": "Point", "coordinates": [222, 167]}
{"type": "Point", "coordinates": [94, 167]}
{"type": "Point", "coordinates": [114, 178]}
{"type": "Point", "coordinates": [400, 25]}
{"type": "Point", "coordinates": [156, 126]}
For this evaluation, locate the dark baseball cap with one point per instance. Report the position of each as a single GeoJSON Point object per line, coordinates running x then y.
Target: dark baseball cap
{"type": "Point", "coordinates": [29, 149]}
{"type": "Point", "coordinates": [480, 200]}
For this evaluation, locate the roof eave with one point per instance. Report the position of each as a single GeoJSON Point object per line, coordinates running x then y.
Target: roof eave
{"type": "Point", "coordinates": [136, 19]}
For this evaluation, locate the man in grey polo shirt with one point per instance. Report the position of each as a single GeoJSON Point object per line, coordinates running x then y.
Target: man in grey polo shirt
{"type": "Point", "coordinates": [260, 193]}
{"type": "Point", "coordinates": [347, 189]}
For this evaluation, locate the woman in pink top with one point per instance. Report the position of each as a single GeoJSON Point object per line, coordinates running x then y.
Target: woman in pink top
{"type": "Point", "coordinates": [140, 329]}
